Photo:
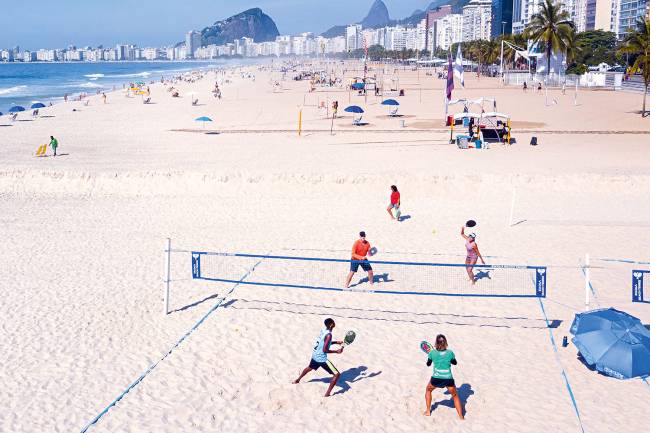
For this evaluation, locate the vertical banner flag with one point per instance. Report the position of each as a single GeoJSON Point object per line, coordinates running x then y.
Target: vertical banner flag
{"type": "Point", "coordinates": [450, 84]}
{"type": "Point", "coordinates": [458, 67]}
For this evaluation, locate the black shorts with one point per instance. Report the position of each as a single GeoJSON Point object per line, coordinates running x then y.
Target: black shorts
{"type": "Point", "coordinates": [442, 383]}
{"type": "Point", "coordinates": [365, 265]}
{"type": "Point", "coordinates": [327, 366]}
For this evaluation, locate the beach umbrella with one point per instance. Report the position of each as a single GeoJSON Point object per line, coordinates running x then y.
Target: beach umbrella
{"type": "Point", "coordinates": [389, 102]}
{"type": "Point", "coordinates": [203, 119]}
{"type": "Point", "coordinates": [358, 86]}
{"type": "Point", "coordinates": [38, 105]}
{"type": "Point", "coordinates": [616, 343]}
{"type": "Point", "coordinates": [16, 109]}
{"type": "Point", "coordinates": [354, 109]}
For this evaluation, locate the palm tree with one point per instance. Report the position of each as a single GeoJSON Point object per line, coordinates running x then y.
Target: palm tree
{"type": "Point", "coordinates": [637, 42]}
{"type": "Point", "coordinates": [552, 27]}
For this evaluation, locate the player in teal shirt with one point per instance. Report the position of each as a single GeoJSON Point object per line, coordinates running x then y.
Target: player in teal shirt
{"type": "Point", "coordinates": [442, 359]}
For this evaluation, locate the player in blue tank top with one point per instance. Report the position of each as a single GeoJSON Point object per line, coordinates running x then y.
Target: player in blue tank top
{"type": "Point", "coordinates": [319, 355]}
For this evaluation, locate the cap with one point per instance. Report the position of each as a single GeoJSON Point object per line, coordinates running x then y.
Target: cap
{"type": "Point", "coordinates": [362, 234]}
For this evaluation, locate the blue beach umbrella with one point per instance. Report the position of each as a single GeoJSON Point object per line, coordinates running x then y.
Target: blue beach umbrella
{"type": "Point", "coordinates": [38, 105]}
{"type": "Point", "coordinates": [616, 343]}
{"type": "Point", "coordinates": [358, 86]}
{"type": "Point", "coordinates": [203, 119]}
{"type": "Point", "coordinates": [16, 109]}
{"type": "Point", "coordinates": [389, 102]}
{"type": "Point", "coordinates": [354, 109]}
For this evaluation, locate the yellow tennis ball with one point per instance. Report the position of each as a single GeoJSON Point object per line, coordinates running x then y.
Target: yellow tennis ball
{"type": "Point", "coordinates": [433, 232]}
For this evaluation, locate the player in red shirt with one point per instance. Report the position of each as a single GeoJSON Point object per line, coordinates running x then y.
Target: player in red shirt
{"type": "Point", "coordinates": [359, 251]}
{"type": "Point", "coordinates": [394, 202]}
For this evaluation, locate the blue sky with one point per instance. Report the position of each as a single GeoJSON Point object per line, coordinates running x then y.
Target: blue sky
{"type": "Point", "coordinates": [35, 24]}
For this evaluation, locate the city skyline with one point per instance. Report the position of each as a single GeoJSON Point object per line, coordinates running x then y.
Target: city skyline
{"type": "Point", "coordinates": [154, 23]}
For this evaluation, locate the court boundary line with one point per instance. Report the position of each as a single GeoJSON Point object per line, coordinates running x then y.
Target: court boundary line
{"type": "Point", "coordinates": [167, 353]}
{"type": "Point", "coordinates": [559, 362]}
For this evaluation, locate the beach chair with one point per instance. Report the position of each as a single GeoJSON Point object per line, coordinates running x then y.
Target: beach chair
{"type": "Point", "coordinates": [357, 122]}
{"type": "Point", "coordinates": [86, 102]}
{"type": "Point", "coordinates": [393, 113]}
{"type": "Point", "coordinates": [41, 150]}
{"type": "Point", "coordinates": [14, 117]}
{"type": "Point", "coordinates": [146, 101]}
{"type": "Point", "coordinates": [462, 141]}
{"type": "Point", "coordinates": [195, 101]}
{"type": "Point", "coordinates": [35, 113]}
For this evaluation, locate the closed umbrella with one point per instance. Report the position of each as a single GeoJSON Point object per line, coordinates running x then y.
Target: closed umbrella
{"type": "Point", "coordinates": [203, 119]}
{"type": "Point", "coordinates": [38, 105]}
{"type": "Point", "coordinates": [616, 343]}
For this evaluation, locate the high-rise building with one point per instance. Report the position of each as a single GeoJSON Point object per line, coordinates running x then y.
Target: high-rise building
{"type": "Point", "coordinates": [430, 22]}
{"type": "Point", "coordinates": [477, 19]}
{"type": "Point", "coordinates": [501, 17]}
{"type": "Point", "coordinates": [449, 31]}
{"type": "Point", "coordinates": [599, 14]}
{"type": "Point", "coordinates": [629, 11]}
{"type": "Point", "coordinates": [352, 37]}
{"type": "Point", "coordinates": [192, 43]}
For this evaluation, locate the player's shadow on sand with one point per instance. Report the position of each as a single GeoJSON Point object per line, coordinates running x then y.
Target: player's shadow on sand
{"type": "Point", "coordinates": [464, 392]}
{"type": "Point", "coordinates": [482, 274]}
{"type": "Point", "coordinates": [378, 278]}
{"type": "Point", "coordinates": [404, 218]}
{"type": "Point", "coordinates": [349, 376]}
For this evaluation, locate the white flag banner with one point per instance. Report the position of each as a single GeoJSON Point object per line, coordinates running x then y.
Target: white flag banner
{"type": "Point", "coordinates": [458, 67]}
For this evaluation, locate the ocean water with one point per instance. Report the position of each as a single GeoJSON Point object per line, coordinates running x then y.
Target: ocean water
{"type": "Point", "coordinates": [26, 83]}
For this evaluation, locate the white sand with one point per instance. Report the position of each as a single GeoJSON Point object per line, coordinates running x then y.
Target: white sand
{"type": "Point", "coordinates": [82, 261]}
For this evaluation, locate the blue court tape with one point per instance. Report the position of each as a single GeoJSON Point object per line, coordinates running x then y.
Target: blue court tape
{"type": "Point", "coordinates": [564, 375]}
{"type": "Point", "coordinates": [378, 262]}
{"type": "Point", "coordinates": [152, 366]}
{"type": "Point", "coordinates": [338, 289]}
{"type": "Point", "coordinates": [593, 291]}
{"type": "Point", "coordinates": [624, 261]}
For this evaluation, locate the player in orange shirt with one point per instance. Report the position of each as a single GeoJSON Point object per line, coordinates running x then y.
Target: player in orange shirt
{"type": "Point", "coordinates": [359, 251]}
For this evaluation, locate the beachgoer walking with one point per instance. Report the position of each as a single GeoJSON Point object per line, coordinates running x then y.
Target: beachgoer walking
{"type": "Point", "coordinates": [104, 97]}
{"type": "Point", "coordinates": [525, 87]}
{"type": "Point", "coordinates": [319, 355]}
{"type": "Point", "coordinates": [539, 87]}
{"type": "Point", "coordinates": [394, 201]}
{"type": "Point", "coordinates": [473, 254]}
{"type": "Point", "coordinates": [335, 109]}
{"type": "Point", "coordinates": [65, 98]}
{"type": "Point", "coordinates": [360, 249]}
{"type": "Point", "coordinates": [54, 143]}
{"type": "Point", "coordinates": [442, 359]}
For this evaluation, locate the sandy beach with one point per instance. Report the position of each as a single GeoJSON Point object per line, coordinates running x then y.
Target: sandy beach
{"type": "Point", "coordinates": [83, 234]}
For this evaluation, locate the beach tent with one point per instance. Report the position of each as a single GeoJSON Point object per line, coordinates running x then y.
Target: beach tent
{"type": "Point", "coordinates": [614, 342]}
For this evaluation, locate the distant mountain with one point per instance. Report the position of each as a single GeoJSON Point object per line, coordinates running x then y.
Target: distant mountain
{"type": "Point", "coordinates": [377, 15]}
{"type": "Point", "coordinates": [252, 23]}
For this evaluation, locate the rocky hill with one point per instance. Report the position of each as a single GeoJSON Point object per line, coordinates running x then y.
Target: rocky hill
{"type": "Point", "coordinates": [252, 23]}
{"type": "Point", "coordinates": [378, 16]}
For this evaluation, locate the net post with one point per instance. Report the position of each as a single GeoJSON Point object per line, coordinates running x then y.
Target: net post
{"type": "Point", "coordinates": [512, 207]}
{"type": "Point", "coordinates": [587, 283]}
{"type": "Point", "coordinates": [168, 252]}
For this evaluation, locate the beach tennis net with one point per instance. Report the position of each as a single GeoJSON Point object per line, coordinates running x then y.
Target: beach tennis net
{"type": "Point", "coordinates": [390, 277]}
{"type": "Point", "coordinates": [638, 294]}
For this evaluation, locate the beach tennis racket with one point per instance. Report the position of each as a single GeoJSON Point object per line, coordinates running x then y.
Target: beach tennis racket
{"type": "Point", "coordinates": [349, 338]}
{"type": "Point", "coordinates": [470, 223]}
{"type": "Point", "coordinates": [426, 347]}
{"type": "Point", "coordinates": [372, 251]}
